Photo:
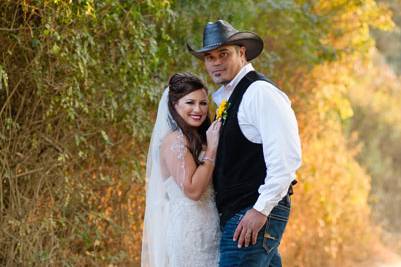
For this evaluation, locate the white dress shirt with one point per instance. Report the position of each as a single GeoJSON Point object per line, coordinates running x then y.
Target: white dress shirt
{"type": "Point", "coordinates": [265, 117]}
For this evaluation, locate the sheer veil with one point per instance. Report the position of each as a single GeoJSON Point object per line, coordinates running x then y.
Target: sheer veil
{"type": "Point", "coordinates": [153, 240]}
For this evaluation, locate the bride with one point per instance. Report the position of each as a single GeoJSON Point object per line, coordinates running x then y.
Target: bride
{"type": "Point", "coordinates": [181, 225]}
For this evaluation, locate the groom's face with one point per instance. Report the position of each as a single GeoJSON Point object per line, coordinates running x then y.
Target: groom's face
{"type": "Point", "coordinates": [224, 63]}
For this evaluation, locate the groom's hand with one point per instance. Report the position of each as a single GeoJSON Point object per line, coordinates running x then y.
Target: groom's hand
{"type": "Point", "coordinates": [249, 227]}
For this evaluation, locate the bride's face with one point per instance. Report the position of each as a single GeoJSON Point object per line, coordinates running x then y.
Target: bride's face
{"type": "Point", "coordinates": [193, 107]}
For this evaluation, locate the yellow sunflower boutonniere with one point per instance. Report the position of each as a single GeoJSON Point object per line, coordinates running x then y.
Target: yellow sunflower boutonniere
{"type": "Point", "coordinates": [221, 112]}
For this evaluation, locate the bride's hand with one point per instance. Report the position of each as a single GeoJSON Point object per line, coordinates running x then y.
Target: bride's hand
{"type": "Point", "coordinates": [212, 135]}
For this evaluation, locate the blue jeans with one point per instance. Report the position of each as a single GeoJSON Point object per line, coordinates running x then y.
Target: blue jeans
{"type": "Point", "coordinates": [265, 252]}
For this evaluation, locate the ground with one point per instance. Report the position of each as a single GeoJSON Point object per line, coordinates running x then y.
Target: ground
{"type": "Point", "coordinates": [384, 257]}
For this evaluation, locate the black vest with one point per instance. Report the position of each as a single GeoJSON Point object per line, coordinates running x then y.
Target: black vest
{"type": "Point", "coordinates": [240, 166]}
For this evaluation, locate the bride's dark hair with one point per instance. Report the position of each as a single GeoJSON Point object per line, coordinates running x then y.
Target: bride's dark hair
{"type": "Point", "coordinates": [181, 84]}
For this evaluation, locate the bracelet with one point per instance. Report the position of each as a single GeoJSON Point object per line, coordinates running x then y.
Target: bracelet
{"type": "Point", "coordinates": [209, 159]}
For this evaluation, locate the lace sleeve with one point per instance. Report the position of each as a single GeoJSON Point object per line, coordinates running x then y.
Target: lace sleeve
{"type": "Point", "coordinates": [177, 158]}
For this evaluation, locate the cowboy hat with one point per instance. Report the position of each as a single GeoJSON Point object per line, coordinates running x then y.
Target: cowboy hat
{"type": "Point", "coordinates": [219, 33]}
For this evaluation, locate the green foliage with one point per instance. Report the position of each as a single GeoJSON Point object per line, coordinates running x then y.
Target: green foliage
{"type": "Point", "coordinates": [79, 80]}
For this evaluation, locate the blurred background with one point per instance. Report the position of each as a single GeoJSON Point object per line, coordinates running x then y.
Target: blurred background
{"type": "Point", "coordinates": [79, 85]}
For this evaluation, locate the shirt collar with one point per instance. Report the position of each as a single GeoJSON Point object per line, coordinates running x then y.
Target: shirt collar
{"type": "Point", "coordinates": [225, 91]}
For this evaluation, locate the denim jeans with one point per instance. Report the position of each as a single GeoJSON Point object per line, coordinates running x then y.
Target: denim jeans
{"type": "Point", "coordinates": [265, 252]}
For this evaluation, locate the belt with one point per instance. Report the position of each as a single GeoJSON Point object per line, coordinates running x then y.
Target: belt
{"type": "Point", "coordinates": [290, 190]}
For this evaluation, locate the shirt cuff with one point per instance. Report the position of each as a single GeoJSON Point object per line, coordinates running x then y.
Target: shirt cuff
{"type": "Point", "coordinates": [262, 207]}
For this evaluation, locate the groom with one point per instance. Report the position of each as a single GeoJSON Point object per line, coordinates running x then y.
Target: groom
{"type": "Point", "coordinates": [259, 149]}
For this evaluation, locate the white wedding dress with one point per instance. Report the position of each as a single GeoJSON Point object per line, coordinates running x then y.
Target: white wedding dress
{"type": "Point", "coordinates": [178, 231]}
{"type": "Point", "coordinates": [192, 228]}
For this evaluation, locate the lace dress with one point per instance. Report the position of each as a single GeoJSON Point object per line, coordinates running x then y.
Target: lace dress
{"type": "Point", "coordinates": [193, 228]}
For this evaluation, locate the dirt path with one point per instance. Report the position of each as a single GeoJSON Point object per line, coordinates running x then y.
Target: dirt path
{"type": "Point", "coordinates": [384, 258]}
{"type": "Point", "coordinates": [391, 260]}
{"type": "Point", "coordinates": [394, 264]}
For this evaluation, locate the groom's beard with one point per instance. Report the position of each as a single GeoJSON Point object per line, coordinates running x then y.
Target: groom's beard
{"type": "Point", "coordinates": [224, 83]}
{"type": "Point", "coordinates": [220, 82]}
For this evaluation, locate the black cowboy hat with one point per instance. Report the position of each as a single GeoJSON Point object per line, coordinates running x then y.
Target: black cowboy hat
{"type": "Point", "coordinates": [221, 33]}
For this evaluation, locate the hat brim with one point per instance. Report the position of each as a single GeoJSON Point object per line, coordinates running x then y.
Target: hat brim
{"type": "Point", "coordinates": [252, 42]}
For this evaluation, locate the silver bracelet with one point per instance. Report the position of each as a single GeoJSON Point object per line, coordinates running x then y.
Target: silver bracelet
{"type": "Point", "coordinates": [209, 159]}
